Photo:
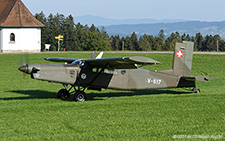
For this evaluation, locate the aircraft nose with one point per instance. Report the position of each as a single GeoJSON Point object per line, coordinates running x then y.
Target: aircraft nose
{"type": "Point", "coordinates": [24, 69]}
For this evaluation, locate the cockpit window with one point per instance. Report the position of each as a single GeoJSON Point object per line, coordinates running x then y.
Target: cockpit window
{"type": "Point", "coordinates": [108, 70]}
{"type": "Point", "coordinates": [95, 69]}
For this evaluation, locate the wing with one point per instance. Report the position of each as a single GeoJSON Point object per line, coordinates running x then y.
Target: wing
{"type": "Point", "coordinates": [118, 63]}
{"type": "Point", "coordinates": [121, 62]}
{"type": "Point", "coordinates": [68, 60]}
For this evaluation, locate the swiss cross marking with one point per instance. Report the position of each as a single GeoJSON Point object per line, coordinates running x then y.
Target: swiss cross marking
{"type": "Point", "coordinates": [179, 53]}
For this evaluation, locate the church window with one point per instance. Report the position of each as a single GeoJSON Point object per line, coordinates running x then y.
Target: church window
{"type": "Point", "coordinates": [12, 37]}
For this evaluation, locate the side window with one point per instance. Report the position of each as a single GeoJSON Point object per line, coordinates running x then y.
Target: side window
{"type": "Point", "coordinates": [12, 37]}
{"type": "Point", "coordinates": [110, 71]}
{"type": "Point", "coordinates": [95, 69]}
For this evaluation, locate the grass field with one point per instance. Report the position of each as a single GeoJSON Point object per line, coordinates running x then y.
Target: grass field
{"type": "Point", "coordinates": [29, 109]}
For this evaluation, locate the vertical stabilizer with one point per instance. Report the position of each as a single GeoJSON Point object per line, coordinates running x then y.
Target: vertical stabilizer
{"type": "Point", "coordinates": [182, 60]}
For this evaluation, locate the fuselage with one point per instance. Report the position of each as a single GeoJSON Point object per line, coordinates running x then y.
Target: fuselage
{"type": "Point", "coordinates": [129, 79]}
{"type": "Point", "coordinates": [108, 78]}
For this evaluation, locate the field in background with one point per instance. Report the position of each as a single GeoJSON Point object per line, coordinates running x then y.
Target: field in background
{"type": "Point", "coordinates": [29, 109]}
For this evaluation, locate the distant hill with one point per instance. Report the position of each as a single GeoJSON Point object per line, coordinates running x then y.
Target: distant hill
{"type": "Point", "coordinates": [100, 21]}
{"type": "Point", "coordinates": [188, 27]}
{"type": "Point", "coordinates": [152, 27]}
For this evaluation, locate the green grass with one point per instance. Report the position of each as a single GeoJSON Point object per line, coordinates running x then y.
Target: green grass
{"type": "Point", "coordinates": [29, 109]}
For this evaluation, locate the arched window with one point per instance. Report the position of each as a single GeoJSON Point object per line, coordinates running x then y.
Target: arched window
{"type": "Point", "coordinates": [12, 37]}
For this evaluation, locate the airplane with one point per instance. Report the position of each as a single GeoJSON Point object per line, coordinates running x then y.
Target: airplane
{"type": "Point", "coordinates": [120, 73]}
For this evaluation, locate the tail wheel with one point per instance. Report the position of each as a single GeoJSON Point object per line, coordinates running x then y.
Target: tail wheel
{"type": "Point", "coordinates": [63, 94]}
{"type": "Point", "coordinates": [196, 90]}
{"type": "Point", "coordinates": [80, 96]}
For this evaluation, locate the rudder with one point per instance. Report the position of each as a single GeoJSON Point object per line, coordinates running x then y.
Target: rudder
{"type": "Point", "coordinates": [182, 61]}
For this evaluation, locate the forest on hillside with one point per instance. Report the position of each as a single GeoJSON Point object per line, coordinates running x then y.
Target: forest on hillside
{"type": "Point", "coordinates": [78, 37]}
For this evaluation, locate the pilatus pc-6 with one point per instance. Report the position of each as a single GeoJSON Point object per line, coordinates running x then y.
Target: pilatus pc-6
{"type": "Point", "coordinates": [122, 73]}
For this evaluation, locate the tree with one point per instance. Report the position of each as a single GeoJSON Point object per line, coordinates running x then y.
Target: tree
{"type": "Point", "coordinates": [146, 42]}
{"type": "Point", "coordinates": [188, 38]}
{"type": "Point", "coordinates": [52, 26]}
{"type": "Point", "coordinates": [79, 37]}
{"type": "Point", "coordinates": [222, 45]}
{"type": "Point", "coordinates": [106, 38]}
{"type": "Point", "coordinates": [44, 31]}
{"type": "Point", "coordinates": [217, 42]}
{"type": "Point", "coordinates": [127, 43]}
{"type": "Point", "coordinates": [92, 28]}
{"type": "Point", "coordinates": [134, 42]}
{"type": "Point", "coordinates": [69, 33]}
{"type": "Point", "coordinates": [177, 36]}
{"type": "Point", "coordinates": [159, 41]}
{"type": "Point", "coordinates": [81, 33]}
{"type": "Point", "coordinates": [115, 42]}
{"type": "Point", "coordinates": [161, 34]}
{"type": "Point", "coordinates": [208, 43]}
{"type": "Point", "coordinates": [170, 42]}
{"type": "Point", "coordinates": [198, 42]}
{"type": "Point", "coordinates": [158, 44]}
{"type": "Point", "coordinates": [185, 37]}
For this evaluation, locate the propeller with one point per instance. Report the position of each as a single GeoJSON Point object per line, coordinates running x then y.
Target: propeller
{"type": "Point", "coordinates": [23, 61]}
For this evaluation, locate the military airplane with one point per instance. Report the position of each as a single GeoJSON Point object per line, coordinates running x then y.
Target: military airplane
{"type": "Point", "coordinates": [121, 73]}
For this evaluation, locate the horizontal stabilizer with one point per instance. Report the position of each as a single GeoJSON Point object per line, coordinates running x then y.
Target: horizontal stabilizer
{"type": "Point", "coordinates": [203, 78]}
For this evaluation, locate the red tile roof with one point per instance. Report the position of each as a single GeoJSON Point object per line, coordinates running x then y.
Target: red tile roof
{"type": "Point", "coordinates": [13, 13]}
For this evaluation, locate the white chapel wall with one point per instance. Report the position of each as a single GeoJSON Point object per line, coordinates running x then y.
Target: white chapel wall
{"type": "Point", "coordinates": [26, 40]}
{"type": "Point", "coordinates": [1, 41]}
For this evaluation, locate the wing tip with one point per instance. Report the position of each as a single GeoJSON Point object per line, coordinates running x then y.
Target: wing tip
{"type": "Point", "coordinates": [145, 60]}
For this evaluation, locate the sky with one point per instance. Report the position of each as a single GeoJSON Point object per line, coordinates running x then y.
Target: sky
{"type": "Point", "coordinates": [201, 10]}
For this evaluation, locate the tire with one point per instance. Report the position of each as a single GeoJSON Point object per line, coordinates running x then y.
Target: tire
{"type": "Point", "coordinates": [196, 90]}
{"type": "Point", "coordinates": [63, 94]}
{"type": "Point", "coordinates": [80, 96]}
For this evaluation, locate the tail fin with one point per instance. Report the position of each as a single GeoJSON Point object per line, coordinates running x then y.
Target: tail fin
{"type": "Point", "coordinates": [182, 60]}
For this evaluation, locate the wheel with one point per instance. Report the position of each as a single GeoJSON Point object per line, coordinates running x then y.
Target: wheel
{"type": "Point", "coordinates": [196, 90]}
{"type": "Point", "coordinates": [80, 96]}
{"type": "Point", "coordinates": [63, 94]}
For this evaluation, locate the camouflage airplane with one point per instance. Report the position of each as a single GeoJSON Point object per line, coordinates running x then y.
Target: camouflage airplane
{"type": "Point", "coordinates": [122, 73]}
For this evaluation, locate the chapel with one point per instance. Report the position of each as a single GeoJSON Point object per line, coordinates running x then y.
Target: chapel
{"type": "Point", "coordinates": [20, 31]}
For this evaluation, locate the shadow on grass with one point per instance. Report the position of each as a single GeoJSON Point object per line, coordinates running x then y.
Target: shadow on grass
{"type": "Point", "coordinates": [31, 94]}
{"type": "Point", "coordinates": [39, 94]}
{"type": "Point", "coordinates": [92, 96]}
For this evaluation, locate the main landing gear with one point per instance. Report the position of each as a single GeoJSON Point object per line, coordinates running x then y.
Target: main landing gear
{"type": "Point", "coordinates": [79, 95]}
{"type": "Point", "coordinates": [63, 94]}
